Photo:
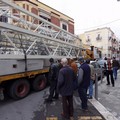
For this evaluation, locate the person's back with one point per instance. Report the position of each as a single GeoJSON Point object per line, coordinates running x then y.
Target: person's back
{"type": "Point", "coordinates": [53, 71]}
{"type": "Point", "coordinates": [86, 75]}
{"type": "Point", "coordinates": [116, 66]}
{"type": "Point", "coordinates": [84, 82]}
{"type": "Point", "coordinates": [65, 88]}
{"type": "Point", "coordinates": [115, 63]}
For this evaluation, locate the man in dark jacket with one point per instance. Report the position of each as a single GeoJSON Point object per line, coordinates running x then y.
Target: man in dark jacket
{"type": "Point", "coordinates": [53, 77]}
{"type": "Point", "coordinates": [65, 88]}
{"type": "Point", "coordinates": [115, 65]}
{"type": "Point", "coordinates": [84, 82]}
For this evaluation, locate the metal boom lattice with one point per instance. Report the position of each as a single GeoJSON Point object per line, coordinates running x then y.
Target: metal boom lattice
{"type": "Point", "coordinates": [19, 37]}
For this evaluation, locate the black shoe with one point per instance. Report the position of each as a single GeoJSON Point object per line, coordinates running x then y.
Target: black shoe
{"type": "Point", "coordinates": [108, 84]}
{"type": "Point", "coordinates": [90, 97]}
{"type": "Point", "coordinates": [84, 109]}
{"type": "Point", "coordinates": [87, 95]}
{"type": "Point", "coordinates": [113, 85]}
{"type": "Point", "coordinates": [56, 97]}
{"type": "Point", "coordinates": [66, 117]}
{"type": "Point", "coordinates": [48, 100]}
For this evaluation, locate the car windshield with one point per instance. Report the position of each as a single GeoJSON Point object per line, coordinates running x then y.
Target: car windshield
{"type": "Point", "coordinates": [101, 62]}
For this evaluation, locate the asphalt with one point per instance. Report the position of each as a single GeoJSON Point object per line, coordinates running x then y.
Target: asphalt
{"type": "Point", "coordinates": [96, 109]}
{"type": "Point", "coordinates": [52, 111]}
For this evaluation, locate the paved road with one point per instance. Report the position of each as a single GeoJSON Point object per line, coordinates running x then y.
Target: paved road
{"type": "Point", "coordinates": [22, 109]}
{"type": "Point", "coordinates": [109, 96]}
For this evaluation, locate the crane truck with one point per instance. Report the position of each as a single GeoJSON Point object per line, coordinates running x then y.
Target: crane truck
{"type": "Point", "coordinates": [25, 50]}
{"type": "Point", "coordinates": [91, 53]}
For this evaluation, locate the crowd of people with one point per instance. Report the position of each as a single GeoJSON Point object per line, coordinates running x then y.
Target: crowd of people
{"type": "Point", "coordinates": [65, 77]}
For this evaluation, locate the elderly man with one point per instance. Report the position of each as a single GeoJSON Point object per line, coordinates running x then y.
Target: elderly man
{"type": "Point", "coordinates": [65, 88]}
{"type": "Point", "coordinates": [84, 82]}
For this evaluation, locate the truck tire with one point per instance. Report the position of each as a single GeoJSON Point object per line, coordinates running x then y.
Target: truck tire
{"type": "Point", "coordinates": [19, 89]}
{"type": "Point", "coordinates": [39, 83]}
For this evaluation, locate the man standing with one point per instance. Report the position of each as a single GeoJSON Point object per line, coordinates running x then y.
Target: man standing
{"type": "Point", "coordinates": [53, 77]}
{"type": "Point", "coordinates": [84, 82]}
{"type": "Point", "coordinates": [92, 78]}
{"type": "Point", "coordinates": [109, 71]}
{"type": "Point", "coordinates": [115, 65]}
{"type": "Point", "coordinates": [65, 88]}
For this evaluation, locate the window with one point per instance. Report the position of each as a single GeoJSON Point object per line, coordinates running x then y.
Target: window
{"type": "Point", "coordinates": [45, 15]}
{"type": "Point", "coordinates": [64, 25]}
{"type": "Point", "coordinates": [88, 39]}
{"type": "Point", "coordinates": [3, 19]}
{"type": "Point", "coordinates": [98, 37]}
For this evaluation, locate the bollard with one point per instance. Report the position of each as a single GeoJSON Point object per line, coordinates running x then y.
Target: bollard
{"type": "Point", "coordinates": [101, 75]}
{"type": "Point", "coordinates": [96, 87]}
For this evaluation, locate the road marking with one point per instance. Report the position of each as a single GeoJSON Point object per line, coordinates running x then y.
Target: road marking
{"type": "Point", "coordinates": [89, 118]}
{"type": "Point", "coordinates": [79, 118]}
{"type": "Point", "coordinates": [51, 118]}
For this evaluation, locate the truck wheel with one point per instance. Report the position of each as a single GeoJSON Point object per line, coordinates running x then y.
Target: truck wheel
{"type": "Point", "coordinates": [19, 89]}
{"type": "Point", "coordinates": [39, 83]}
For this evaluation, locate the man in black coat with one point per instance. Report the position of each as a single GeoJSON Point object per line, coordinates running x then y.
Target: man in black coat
{"type": "Point", "coordinates": [53, 77]}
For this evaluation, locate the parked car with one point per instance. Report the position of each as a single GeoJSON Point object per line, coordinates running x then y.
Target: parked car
{"type": "Point", "coordinates": [98, 69]}
{"type": "Point", "coordinates": [101, 63]}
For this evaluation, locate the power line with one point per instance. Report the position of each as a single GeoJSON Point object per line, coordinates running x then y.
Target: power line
{"type": "Point", "coordinates": [100, 25]}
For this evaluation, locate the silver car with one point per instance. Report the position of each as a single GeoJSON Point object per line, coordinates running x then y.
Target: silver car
{"type": "Point", "coordinates": [98, 69]}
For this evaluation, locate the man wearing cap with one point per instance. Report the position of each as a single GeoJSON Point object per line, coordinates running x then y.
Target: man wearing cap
{"type": "Point", "coordinates": [84, 82]}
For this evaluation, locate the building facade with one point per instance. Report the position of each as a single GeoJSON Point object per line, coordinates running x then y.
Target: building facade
{"type": "Point", "coordinates": [47, 13]}
{"type": "Point", "coordinates": [104, 39]}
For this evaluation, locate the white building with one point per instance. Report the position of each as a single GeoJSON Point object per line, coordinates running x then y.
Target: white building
{"type": "Point", "coordinates": [104, 39]}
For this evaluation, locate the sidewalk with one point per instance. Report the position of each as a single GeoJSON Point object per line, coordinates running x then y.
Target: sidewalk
{"type": "Point", "coordinates": [109, 97]}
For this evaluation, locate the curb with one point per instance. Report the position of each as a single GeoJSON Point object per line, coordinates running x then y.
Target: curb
{"type": "Point", "coordinates": [102, 110]}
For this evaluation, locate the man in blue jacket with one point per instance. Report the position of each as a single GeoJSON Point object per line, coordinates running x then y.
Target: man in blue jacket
{"type": "Point", "coordinates": [65, 88]}
{"type": "Point", "coordinates": [84, 82]}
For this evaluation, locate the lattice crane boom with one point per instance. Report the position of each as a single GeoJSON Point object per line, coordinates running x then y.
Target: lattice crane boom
{"type": "Point", "coordinates": [19, 36]}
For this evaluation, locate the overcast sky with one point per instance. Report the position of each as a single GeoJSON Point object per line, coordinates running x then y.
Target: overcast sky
{"type": "Point", "coordinates": [90, 14]}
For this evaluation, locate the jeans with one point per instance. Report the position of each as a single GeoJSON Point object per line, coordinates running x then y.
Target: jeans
{"type": "Point", "coordinates": [91, 88]}
{"type": "Point", "coordinates": [115, 72]}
